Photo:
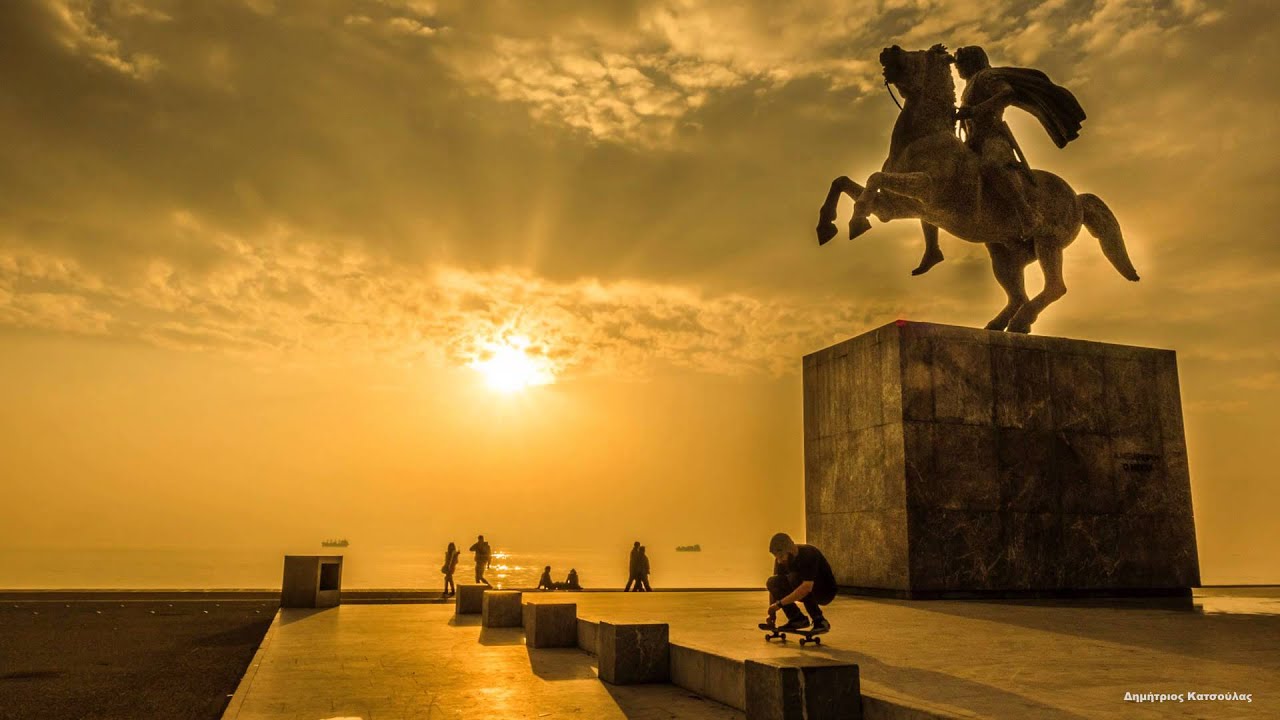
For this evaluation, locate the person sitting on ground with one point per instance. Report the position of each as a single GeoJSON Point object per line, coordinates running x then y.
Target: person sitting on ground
{"type": "Point", "coordinates": [571, 582]}
{"type": "Point", "coordinates": [801, 574]}
{"type": "Point", "coordinates": [544, 582]}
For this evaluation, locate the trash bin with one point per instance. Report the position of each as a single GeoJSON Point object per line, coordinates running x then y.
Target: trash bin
{"type": "Point", "coordinates": [311, 581]}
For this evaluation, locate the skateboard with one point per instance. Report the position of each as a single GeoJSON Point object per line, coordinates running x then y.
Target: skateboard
{"type": "Point", "coordinates": [806, 636]}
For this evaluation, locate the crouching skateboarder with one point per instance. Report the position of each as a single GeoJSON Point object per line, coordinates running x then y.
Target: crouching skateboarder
{"type": "Point", "coordinates": [800, 575]}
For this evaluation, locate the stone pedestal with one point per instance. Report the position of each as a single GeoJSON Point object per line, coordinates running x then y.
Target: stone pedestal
{"type": "Point", "coordinates": [633, 653]}
{"type": "Point", "coordinates": [551, 625]}
{"type": "Point", "coordinates": [501, 609]}
{"type": "Point", "coordinates": [802, 688]}
{"type": "Point", "coordinates": [469, 600]}
{"type": "Point", "coordinates": [942, 461]}
{"type": "Point", "coordinates": [311, 581]}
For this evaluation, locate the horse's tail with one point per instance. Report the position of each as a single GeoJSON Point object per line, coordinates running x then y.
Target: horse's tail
{"type": "Point", "coordinates": [1103, 225]}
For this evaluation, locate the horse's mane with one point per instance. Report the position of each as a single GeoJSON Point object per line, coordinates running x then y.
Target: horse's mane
{"type": "Point", "coordinates": [938, 85]}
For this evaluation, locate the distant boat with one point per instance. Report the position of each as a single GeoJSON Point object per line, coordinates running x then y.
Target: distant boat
{"type": "Point", "coordinates": [335, 543]}
{"type": "Point", "coordinates": [688, 548]}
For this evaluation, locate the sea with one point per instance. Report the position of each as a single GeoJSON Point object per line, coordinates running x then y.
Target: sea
{"type": "Point", "coordinates": [365, 567]}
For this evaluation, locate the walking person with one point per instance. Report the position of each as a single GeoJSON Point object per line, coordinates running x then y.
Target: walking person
{"type": "Point", "coordinates": [450, 564]}
{"type": "Point", "coordinates": [801, 574]}
{"type": "Point", "coordinates": [642, 571]}
{"type": "Point", "coordinates": [484, 558]}
{"type": "Point", "coordinates": [632, 564]}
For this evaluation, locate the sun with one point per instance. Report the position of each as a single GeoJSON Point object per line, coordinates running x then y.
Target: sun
{"type": "Point", "coordinates": [508, 367]}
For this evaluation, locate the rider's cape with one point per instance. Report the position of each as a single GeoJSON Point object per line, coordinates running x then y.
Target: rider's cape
{"type": "Point", "coordinates": [1053, 105]}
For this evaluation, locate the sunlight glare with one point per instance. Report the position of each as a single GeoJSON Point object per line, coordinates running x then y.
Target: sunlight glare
{"type": "Point", "coordinates": [508, 367]}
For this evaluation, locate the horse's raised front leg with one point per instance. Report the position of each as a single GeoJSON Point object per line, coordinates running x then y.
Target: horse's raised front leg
{"type": "Point", "coordinates": [1009, 263]}
{"type": "Point", "coordinates": [826, 216]}
{"type": "Point", "coordinates": [1049, 253]}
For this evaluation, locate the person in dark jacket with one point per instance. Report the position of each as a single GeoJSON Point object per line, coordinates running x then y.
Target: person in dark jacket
{"type": "Point", "coordinates": [484, 558]}
{"type": "Point", "coordinates": [451, 555]}
{"type": "Point", "coordinates": [631, 568]}
{"type": "Point", "coordinates": [642, 571]}
{"type": "Point", "coordinates": [801, 574]}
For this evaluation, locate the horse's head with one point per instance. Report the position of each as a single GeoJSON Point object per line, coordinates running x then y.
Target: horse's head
{"type": "Point", "coordinates": [919, 72]}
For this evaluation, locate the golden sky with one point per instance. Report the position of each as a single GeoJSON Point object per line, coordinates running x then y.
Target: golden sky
{"type": "Point", "coordinates": [250, 250]}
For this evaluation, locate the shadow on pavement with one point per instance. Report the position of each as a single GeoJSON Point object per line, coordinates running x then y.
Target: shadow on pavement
{"type": "Point", "coordinates": [1157, 624]}
{"type": "Point", "coordinates": [561, 664]}
{"type": "Point", "coordinates": [288, 616]}
{"type": "Point", "coordinates": [502, 636]}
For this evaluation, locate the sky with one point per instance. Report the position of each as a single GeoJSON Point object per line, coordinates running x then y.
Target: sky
{"type": "Point", "coordinates": [255, 253]}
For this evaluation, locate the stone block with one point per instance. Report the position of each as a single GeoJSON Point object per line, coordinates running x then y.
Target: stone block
{"type": "Point", "coordinates": [469, 600]}
{"type": "Point", "coordinates": [501, 609]}
{"type": "Point", "coordinates": [311, 581]}
{"type": "Point", "coordinates": [962, 391]}
{"type": "Point", "coordinates": [1020, 377]}
{"type": "Point", "coordinates": [802, 688]}
{"type": "Point", "coordinates": [712, 676]}
{"type": "Point", "coordinates": [551, 625]}
{"type": "Point", "coordinates": [1028, 481]}
{"type": "Point", "coordinates": [633, 653]}
{"type": "Point", "coordinates": [588, 633]}
{"type": "Point", "coordinates": [1078, 392]}
{"type": "Point", "coordinates": [942, 459]}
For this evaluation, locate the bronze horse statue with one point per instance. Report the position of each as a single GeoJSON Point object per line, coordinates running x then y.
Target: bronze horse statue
{"type": "Point", "coordinates": [932, 175]}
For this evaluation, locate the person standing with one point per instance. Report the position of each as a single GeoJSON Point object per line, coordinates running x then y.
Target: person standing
{"type": "Point", "coordinates": [632, 566]}
{"type": "Point", "coordinates": [642, 571]}
{"type": "Point", "coordinates": [801, 574]}
{"type": "Point", "coordinates": [484, 558]}
{"type": "Point", "coordinates": [450, 564]}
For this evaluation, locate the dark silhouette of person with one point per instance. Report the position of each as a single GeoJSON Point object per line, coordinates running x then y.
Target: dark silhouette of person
{"type": "Point", "coordinates": [571, 582]}
{"type": "Point", "coordinates": [484, 558]}
{"type": "Point", "coordinates": [631, 568]}
{"type": "Point", "coordinates": [642, 571]}
{"type": "Point", "coordinates": [451, 555]}
{"type": "Point", "coordinates": [544, 582]}
{"type": "Point", "coordinates": [801, 574]}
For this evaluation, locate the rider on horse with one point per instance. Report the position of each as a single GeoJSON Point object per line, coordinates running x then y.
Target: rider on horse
{"type": "Point", "coordinates": [988, 91]}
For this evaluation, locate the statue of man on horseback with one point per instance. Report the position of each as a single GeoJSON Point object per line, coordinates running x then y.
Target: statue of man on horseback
{"type": "Point", "coordinates": [987, 92]}
{"type": "Point", "coordinates": [980, 190]}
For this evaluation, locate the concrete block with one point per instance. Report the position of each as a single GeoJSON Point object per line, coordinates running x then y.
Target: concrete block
{"type": "Point", "coordinates": [469, 600]}
{"type": "Point", "coordinates": [588, 632]}
{"type": "Point", "coordinates": [712, 676]}
{"type": "Point", "coordinates": [551, 625]}
{"type": "Point", "coordinates": [311, 581]}
{"type": "Point", "coordinates": [804, 687]}
{"type": "Point", "coordinates": [501, 609]}
{"type": "Point", "coordinates": [633, 653]}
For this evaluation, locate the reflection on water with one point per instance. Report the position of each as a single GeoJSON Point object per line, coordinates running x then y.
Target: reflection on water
{"type": "Point", "coordinates": [364, 566]}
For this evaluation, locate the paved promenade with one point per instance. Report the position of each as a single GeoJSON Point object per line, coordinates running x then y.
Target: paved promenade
{"type": "Point", "coordinates": [414, 662]}
{"type": "Point", "coordinates": [964, 659]}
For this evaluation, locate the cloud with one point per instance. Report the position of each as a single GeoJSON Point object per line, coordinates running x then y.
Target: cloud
{"type": "Point", "coordinates": [642, 84]}
{"type": "Point", "coordinates": [280, 295]}
{"type": "Point", "coordinates": [76, 29]}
